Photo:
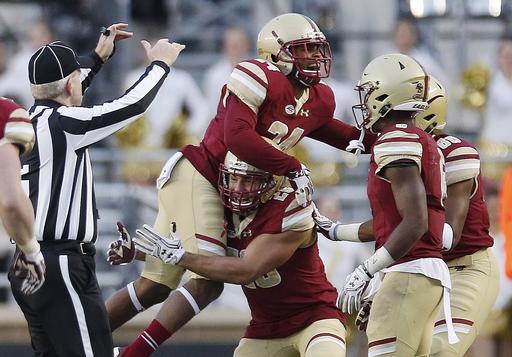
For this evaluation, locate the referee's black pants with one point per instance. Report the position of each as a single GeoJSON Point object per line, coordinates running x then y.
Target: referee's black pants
{"type": "Point", "coordinates": [67, 316]}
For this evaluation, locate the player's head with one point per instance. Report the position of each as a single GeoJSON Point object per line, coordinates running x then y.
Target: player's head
{"type": "Point", "coordinates": [434, 117]}
{"type": "Point", "coordinates": [295, 44]}
{"type": "Point", "coordinates": [243, 187]}
{"type": "Point", "coordinates": [390, 82]}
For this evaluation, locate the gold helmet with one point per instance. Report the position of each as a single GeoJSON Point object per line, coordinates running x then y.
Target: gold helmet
{"type": "Point", "coordinates": [390, 82]}
{"type": "Point", "coordinates": [295, 45]}
{"type": "Point", "coordinates": [435, 116]}
{"type": "Point", "coordinates": [244, 187]}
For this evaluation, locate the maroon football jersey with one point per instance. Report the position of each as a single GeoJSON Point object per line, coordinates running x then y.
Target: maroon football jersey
{"type": "Point", "coordinates": [398, 142]}
{"type": "Point", "coordinates": [15, 126]}
{"type": "Point", "coordinates": [271, 111]}
{"type": "Point", "coordinates": [294, 295]}
{"type": "Point", "coordinates": [463, 163]}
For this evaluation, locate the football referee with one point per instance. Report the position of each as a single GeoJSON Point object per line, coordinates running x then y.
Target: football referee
{"type": "Point", "coordinates": [67, 316]}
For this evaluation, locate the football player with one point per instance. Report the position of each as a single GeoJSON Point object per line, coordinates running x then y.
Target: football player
{"type": "Point", "coordinates": [17, 137]}
{"type": "Point", "coordinates": [273, 254]}
{"type": "Point", "coordinates": [473, 268]}
{"type": "Point", "coordinates": [406, 188]}
{"type": "Point", "coordinates": [279, 96]}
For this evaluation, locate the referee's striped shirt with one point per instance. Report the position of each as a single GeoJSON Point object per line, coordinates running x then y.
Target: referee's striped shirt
{"type": "Point", "coordinates": [58, 171]}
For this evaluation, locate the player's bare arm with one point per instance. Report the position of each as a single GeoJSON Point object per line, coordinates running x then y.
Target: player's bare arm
{"type": "Point", "coordinates": [265, 253]}
{"type": "Point", "coordinates": [457, 206]}
{"type": "Point", "coordinates": [410, 199]}
{"type": "Point", "coordinates": [15, 207]}
{"type": "Point", "coordinates": [366, 231]}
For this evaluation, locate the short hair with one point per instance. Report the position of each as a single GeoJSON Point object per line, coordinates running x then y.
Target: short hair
{"type": "Point", "coordinates": [49, 90]}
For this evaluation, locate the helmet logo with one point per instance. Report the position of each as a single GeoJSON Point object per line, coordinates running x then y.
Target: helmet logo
{"type": "Point", "coordinates": [289, 109]}
{"type": "Point", "coordinates": [419, 91]}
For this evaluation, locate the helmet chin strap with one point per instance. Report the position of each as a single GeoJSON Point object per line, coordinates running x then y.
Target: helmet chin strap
{"type": "Point", "coordinates": [295, 74]}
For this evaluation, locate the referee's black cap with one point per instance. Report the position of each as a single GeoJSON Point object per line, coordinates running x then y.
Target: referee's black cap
{"type": "Point", "coordinates": [52, 62]}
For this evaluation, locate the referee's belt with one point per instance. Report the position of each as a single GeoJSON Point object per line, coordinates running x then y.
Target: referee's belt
{"type": "Point", "coordinates": [68, 247]}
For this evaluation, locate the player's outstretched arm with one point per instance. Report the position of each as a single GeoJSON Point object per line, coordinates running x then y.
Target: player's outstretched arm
{"type": "Point", "coordinates": [335, 231]}
{"type": "Point", "coordinates": [264, 253]}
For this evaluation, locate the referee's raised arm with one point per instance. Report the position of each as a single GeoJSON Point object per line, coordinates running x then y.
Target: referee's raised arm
{"type": "Point", "coordinates": [59, 179]}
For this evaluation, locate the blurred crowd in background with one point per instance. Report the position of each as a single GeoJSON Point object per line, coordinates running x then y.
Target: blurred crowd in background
{"type": "Point", "coordinates": [468, 48]}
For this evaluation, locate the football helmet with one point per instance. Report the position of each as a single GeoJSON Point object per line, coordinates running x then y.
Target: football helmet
{"type": "Point", "coordinates": [295, 45]}
{"type": "Point", "coordinates": [390, 82]}
{"type": "Point", "coordinates": [242, 186]}
{"type": "Point", "coordinates": [435, 116]}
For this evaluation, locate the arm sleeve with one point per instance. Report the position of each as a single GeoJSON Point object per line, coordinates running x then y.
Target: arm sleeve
{"type": "Point", "coordinates": [338, 134]}
{"type": "Point", "coordinates": [242, 140]}
{"type": "Point", "coordinates": [87, 125]}
{"type": "Point", "coordinates": [92, 64]}
{"type": "Point", "coordinates": [17, 128]}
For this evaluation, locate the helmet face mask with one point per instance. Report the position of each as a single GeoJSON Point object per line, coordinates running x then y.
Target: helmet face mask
{"type": "Point", "coordinates": [362, 114]}
{"type": "Point", "coordinates": [390, 82]}
{"type": "Point", "coordinates": [242, 186]}
{"type": "Point", "coordinates": [295, 44]}
{"type": "Point", "coordinates": [311, 59]}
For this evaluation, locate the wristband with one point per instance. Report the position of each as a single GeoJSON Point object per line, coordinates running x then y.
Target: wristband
{"type": "Point", "coordinates": [379, 260]}
{"type": "Point", "coordinates": [347, 232]}
{"type": "Point", "coordinates": [31, 248]}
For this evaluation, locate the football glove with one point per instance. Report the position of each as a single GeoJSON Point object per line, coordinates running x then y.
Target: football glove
{"type": "Point", "coordinates": [33, 268]}
{"type": "Point", "coordinates": [302, 184]}
{"type": "Point", "coordinates": [324, 225]}
{"type": "Point", "coordinates": [168, 249]}
{"type": "Point", "coordinates": [122, 250]}
{"type": "Point", "coordinates": [355, 285]}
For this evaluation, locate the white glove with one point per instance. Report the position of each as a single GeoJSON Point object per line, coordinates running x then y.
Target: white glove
{"type": "Point", "coordinates": [122, 250]}
{"type": "Point", "coordinates": [324, 225]}
{"type": "Point", "coordinates": [302, 184]}
{"type": "Point", "coordinates": [355, 284]}
{"type": "Point", "coordinates": [355, 145]}
{"type": "Point", "coordinates": [34, 269]}
{"type": "Point", "coordinates": [168, 249]}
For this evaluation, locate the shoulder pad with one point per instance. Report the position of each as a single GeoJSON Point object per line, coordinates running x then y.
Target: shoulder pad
{"type": "Point", "coordinates": [249, 83]}
{"type": "Point", "coordinates": [462, 163]}
{"type": "Point", "coordinates": [19, 131]}
{"type": "Point", "coordinates": [397, 145]}
{"type": "Point", "coordinates": [296, 217]}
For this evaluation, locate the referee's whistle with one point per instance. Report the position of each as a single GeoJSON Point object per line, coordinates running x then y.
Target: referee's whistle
{"type": "Point", "coordinates": [104, 31]}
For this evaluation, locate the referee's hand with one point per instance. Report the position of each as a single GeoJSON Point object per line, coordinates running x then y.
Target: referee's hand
{"type": "Point", "coordinates": [113, 33]}
{"type": "Point", "coordinates": [163, 51]}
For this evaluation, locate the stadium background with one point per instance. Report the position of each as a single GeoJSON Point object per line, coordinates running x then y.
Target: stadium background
{"type": "Point", "coordinates": [461, 38]}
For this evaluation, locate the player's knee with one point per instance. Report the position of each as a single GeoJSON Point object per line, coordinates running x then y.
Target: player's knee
{"type": "Point", "coordinates": [442, 348]}
{"type": "Point", "coordinates": [149, 292]}
{"type": "Point", "coordinates": [204, 290]}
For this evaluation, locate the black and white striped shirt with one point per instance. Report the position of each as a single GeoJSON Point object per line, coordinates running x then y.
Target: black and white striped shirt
{"type": "Point", "coordinates": [57, 174]}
